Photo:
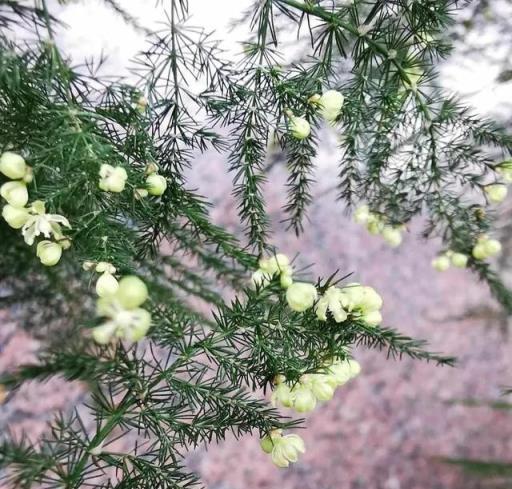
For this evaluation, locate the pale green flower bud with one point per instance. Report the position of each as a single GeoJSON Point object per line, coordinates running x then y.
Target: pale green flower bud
{"type": "Point", "coordinates": [260, 278]}
{"type": "Point", "coordinates": [441, 263]}
{"type": "Point", "coordinates": [459, 260]}
{"type": "Point", "coordinates": [372, 318]}
{"type": "Point", "coordinates": [132, 292]}
{"type": "Point", "coordinates": [151, 168]}
{"type": "Point", "coordinates": [49, 252]}
{"type": "Point", "coordinates": [341, 372]}
{"type": "Point", "coordinates": [103, 334]}
{"type": "Point", "coordinates": [505, 170]}
{"type": "Point", "coordinates": [282, 395]}
{"type": "Point", "coordinates": [299, 127]}
{"type": "Point", "coordinates": [15, 193]}
{"type": "Point", "coordinates": [496, 193]}
{"type": "Point", "coordinates": [106, 285]}
{"type": "Point", "coordinates": [29, 175]}
{"type": "Point", "coordinates": [479, 252]}
{"type": "Point", "coordinates": [301, 296]}
{"type": "Point", "coordinates": [276, 264]}
{"type": "Point", "coordinates": [157, 184]}
{"type": "Point", "coordinates": [492, 247]}
{"type": "Point", "coordinates": [374, 224]}
{"type": "Point", "coordinates": [392, 236]}
{"type": "Point", "coordinates": [362, 214]}
{"type": "Point", "coordinates": [304, 399]}
{"type": "Point", "coordinates": [112, 179]}
{"type": "Point", "coordinates": [12, 165]}
{"type": "Point", "coordinates": [267, 444]}
{"type": "Point", "coordinates": [16, 217]}
{"type": "Point", "coordinates": [321, 388]}
{"type": "Point", "coordinates": [140, 322]}
{"type": "Point", "coordinates": [331, 103]}
{"type": "Point", "coordinates": [371, 300]}
{"type": "Point", "coordinates": [140, 193]}
{"type": "Point", "coordinates": [353, 294]}
{"type": "Point", "coordinates": [332, 300]}
{"type": "Point", "coordinates": [104, 266]}
{"type": "Point", "coordinates": [286, 449]}
{"type": "Point", "coordinates": [286, 280]}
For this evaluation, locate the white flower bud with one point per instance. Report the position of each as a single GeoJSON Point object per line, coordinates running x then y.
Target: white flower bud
{"type": "Point", "coordinates": [304, 399]}
{"type": "Point", "coordinates": [16, 217]}
{"type": "Point", "coordinates": [49, 252]}
{"type": "Point", "coordinates": [372, 318]}
{"type": "Point", "coordinates": [301, 296]}
{"type": "Point", "coordinates": [459, 260]}
{"type": "Point", "coordinates": [156, 184]}
{"type": "Point", "coordinates": [392, 236]}
{"type": "Point", "coordinates": [15, 193]}
{"type": "Point", "coordinates": [112, 179]}
{"type": "Point", "coordinates": [496, 193]}
{"type": "Point", "coordinates": [299, 127]}
{"type": "Point", "coordinates": [132, 292]}
{"type": "Point", "coordinates": [106, 285]}
{"type": "Point", "coordinates": [362, 214]}
{"type": "Point", "coordinates": [331, 103]}
{"type": "Point", "coordinates": [441, 263]}
{"type": "Point", "coordinates": [260, 278]}
{"type": "Point", "coordinates": [12, 165]}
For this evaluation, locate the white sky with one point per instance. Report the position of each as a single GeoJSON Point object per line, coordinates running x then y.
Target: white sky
{"type": "Point", "coordinates": [94, 28]}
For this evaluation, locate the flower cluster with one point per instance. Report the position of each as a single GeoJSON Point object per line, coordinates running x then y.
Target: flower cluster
{"type": "Point", "coordinates": [358, 301]}
{"type": "Point", "coordinates": [119, 302]}
{"type": "Point", "coordinates": [376, 224]}
{"type": "Point", "coordinates": [298, 126]}
{"type": "Point", "coordinates": [330, 104]}
{"type": "Point", "coordinates": [32, 219]}
{"type": "Point", "coordinates": [282, 448]}
{"type": "Point", "coordinates": [486, 247]}
{"type": "Point", "coordinates": [311, 388]}
{"type": "Point", "coordinates": [276, 265]}
{"type": "Point", "coordinates": [443, 261]}
{"type": "Point", "coordinates": [156, 184]}
{"type": "Point", "coordinates": [112, 178]}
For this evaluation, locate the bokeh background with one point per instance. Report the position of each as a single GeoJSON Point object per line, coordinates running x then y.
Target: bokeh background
{"type": "Point", "coordinates": [399, 425]}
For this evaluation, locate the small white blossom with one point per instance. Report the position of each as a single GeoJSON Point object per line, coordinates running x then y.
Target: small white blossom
{"type": "Point", "coordinates": [41, 223]}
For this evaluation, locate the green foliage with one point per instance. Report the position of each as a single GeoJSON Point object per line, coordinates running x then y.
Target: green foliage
{"type": "Point", "coordinates": [199, 376]}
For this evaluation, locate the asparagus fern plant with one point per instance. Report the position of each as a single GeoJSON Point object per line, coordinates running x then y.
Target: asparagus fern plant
{"type": "Point", "coordinates": [104, 243]}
